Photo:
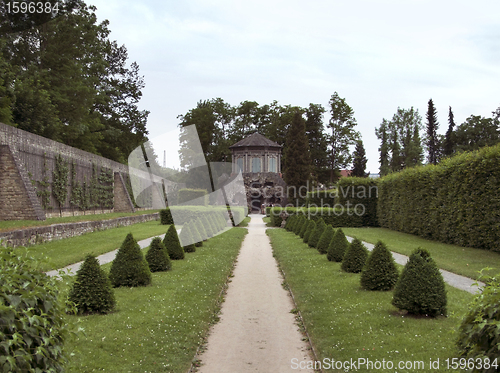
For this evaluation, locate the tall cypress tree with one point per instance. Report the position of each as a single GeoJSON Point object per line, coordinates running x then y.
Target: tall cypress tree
{"type": "Point", "coordinates": [297, 159]}
{"type": "Point", "coordinates": [359, 162]}
{"type": "Point", "coordinates": [432, 139]}
{"type": "Point", "coordinates": [383, 136]}
{"type": "Point", "coordinates": [449, 144]}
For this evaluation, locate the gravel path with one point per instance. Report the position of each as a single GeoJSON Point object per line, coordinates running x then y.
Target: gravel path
{"type": "Point", "coordinates": [257, 332]}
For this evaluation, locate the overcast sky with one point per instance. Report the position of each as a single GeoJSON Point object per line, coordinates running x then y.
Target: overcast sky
{"type": "Point", "coordinates": [378, 55]}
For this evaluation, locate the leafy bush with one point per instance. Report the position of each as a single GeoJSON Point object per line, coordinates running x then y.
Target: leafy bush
{"type": "Point", "coordinates": [362, 194]}
{"type": "Point", "coordinates": [157, 256]}
{"type": "Point", "coordinates": [479, 332]}
{"type": "Point", "coordinates": [289, 222]}
{"type": "Point", "coordinates": [338, 246]}
{"type": "Point", "coordinates": [187, 240]}
{"type": "Point", "coordinates": [380, 272]}
{"type": "Point", "coordinates": [311, 226]}
{"type": "Point", "coordinates": [336, 217]}
{"type": "Point", "coordinates": [325, 239]}
{"type": "Point", "coordinates": [321, 197]}
{"type": "Point", "coordinates": [33, 326]}
{"type": "Point", "coordinates": [301, 220]}
{"type": "Point", "coordinates": [355, 257]}
{"type": "Point", "coordinates": [129, 268]}
{"type": "Point", "coordinates": [201, 229]}
{"type": "Point", "coordinates": [420, 289]}
{"type": "Point", "coordinates": [172, 244]}
{"type": "Point", "coordinates": [316, 234]}
{"type": "Point", "coordinates": [92, 291]}
{"type": "Point", "coordinates": [195, 233]}
{"type": "Point", "coordinates": [166, 217]}
{"type": "Point", "coordinates": [193, 196]}
{"type": "Point", "coordinates": [446, 202]}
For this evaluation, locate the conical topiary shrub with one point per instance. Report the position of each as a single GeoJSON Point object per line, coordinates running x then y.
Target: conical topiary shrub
{"type": "Point", "coordinates": [213, 227]}
{"type": "Point", "coordinates": [304, 228]}
{"type": "Point", "coordinates": [290, 222]}
{"type": "Point", "coordinates": [311, 226]}
{"type": "Point", "coordinates": [92, 291]}
{"type": "Point", "coordinates": [325, 239]}
{"type": "Point", "coordinates": [338, 246]}
{"type": "Point", "coordinates": [198, 241]}
{"type": "Point", "coordinates": [207, 226]}
{"type": "Point", "coordinates": [172, 244]}
{"type": "Point", "coordinates": [129, 268]}
{"type": "Point", "coordinates": [157, 256]}
{"type": "Point", "coordinates": [355, 257]}
{"type": "Point", "coordinates": [420, 289]}
{"type": "Point", "coordinates": [186, 239]}
{"type": "Point", "coordinates": [316, 234]}
{"type": "Point", "coordinates": [300, 221]}
{"type": "Point", "coordinates": [379, 272]}
{"type": "Point", "coordinates": [201, 229]}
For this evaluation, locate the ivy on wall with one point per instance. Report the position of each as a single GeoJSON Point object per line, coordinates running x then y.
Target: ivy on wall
{"type": "Point", "coordinates": [43, 188]}
{"type": "Point", "coordinates": [60, 182]}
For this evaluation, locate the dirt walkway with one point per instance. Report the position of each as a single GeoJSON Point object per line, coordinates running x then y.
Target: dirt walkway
{"type": "Point", "coordinates": [257, 332]}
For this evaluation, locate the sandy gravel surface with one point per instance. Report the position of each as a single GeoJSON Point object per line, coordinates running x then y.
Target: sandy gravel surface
{"type": "Point", "coordinates": [257, 332]}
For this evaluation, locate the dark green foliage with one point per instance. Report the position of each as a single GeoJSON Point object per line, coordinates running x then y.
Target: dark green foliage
{"type": "Point", "coordinates": [446, 202]}
{"type": "Point", "coordinates": [433, 145]}
{"type": "Point", "coordinates": [289, 222]}
{"type": "Point", "coordinates": [301, 220]}
{"type": "Point", "coordinates": [316, 234]}
{"type": "Point", "coordinates": [207, 226]}
{"type": "Point", "coordinates": [361, 193]}
{"type": "Point", "coordinates": [325, 198]}
{"type": "Point", "coordinates": [172, 244]}
{"type": "Point", "coordinates": [478, 336]}
{"type": "Point", "coordinates": [33, 325]}
{"type": "Point", "coordinates": [355, 257]}
{"type": "Point", "coordinates": [129, 268]}
{"type": "Point", "coordinates": [157, 256]}
{"type": "Point", "coordinates": [359, 161]}
{"type": "Point", "coordinates": [325, 239]}
{"type": "Point", "coordinates": [195, 233]}
{"type": "Point", "coordinates": [336, 217]}
{"type": "Point", "coordinates": [201, 229]}
{"type": "Point", "coordinates": [166, 217]}
{"type": "Point", "coordinates": [379, 272]}
{"type": "Point", "coordinates": [311, 226]}
{"type": "Point", "coordinates": [303, 228]}
{"type": "Point", "coordinates": [92, 291]}
{"type": "Point", "coordinates": [187, 239]}
{"type": "Point", "coordinates": [420, 289]}
{"type": "Point", "coordinates": [338, 246]}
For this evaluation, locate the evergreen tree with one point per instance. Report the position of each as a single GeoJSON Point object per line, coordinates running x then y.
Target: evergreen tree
{"type": "Point", "coordinates": [420, 289]}
{"type": "Point", "coordinates": [355, 257]}
{"type": "Point", "coordinates": [92, 291]}
{"type": "Point", "coordinates": [380, 272]}
{"type": "Point", "coordinates": [316, 234]}
{"type": "Point", "coordinates": [338, 246]}
{"type": "Point", "coordinates": [311, 226]}
{"type": "Point", "coordinates": [318, 142]}
{"type": "Point", "coordinates": [297, 160]}
{"type": "Point", "coordinates": [172, 244]}
{"type": "Point", "coordinates": [157, 256]}
{"type": "Point", "coordinates": [129, 268]}
{"type": "Point", "coordinates": [432, 139]}
{"type": "Point", "coordinates": [359, 162]}
{"type": "Point", "coordinates": [325, 239]}
{"type": "Point", "coordinates": [383, 136]}
{"type": "Point", "coordinates": [449, 144]}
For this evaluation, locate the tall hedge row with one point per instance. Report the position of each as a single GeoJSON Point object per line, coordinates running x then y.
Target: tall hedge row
{"type": "Point", "coordinates": [333, 217]}
{"type": "Point", "coordinates": [457, 201]}
{"type": "Point", "coordinates": [321, 197]}
{"type": "Point", "coordinates": [359, 194]}
{"type": "Point", "coordinates": [193, 196]}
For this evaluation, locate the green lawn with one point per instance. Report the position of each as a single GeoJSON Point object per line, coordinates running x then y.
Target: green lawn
{"type": "Point", "coordinates": [346, 322]}
{"type": "Point", "coordinates": [158, 328]}
{"type": "Point", "coordinates": [8, 225]}
{"type": "Point", "coordinates": [464, 261]}
{"type": "Point", "coordinates": [64, 252]}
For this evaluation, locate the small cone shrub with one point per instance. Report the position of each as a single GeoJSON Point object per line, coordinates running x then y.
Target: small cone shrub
{"type": "Point", "coordinates": [311, 226]}
{"type": "Point", "coordinates": [325, 239]}
{"type": "Point", "coordinates": [304, 228]}
{"type": "Point", "coordinates": [338, 246]}
{"type": "Point", "coordinates": [92, 291]}
{"type": "Point", "coordinates": [213, 226]}
{"type": "Point", "coordinates": [316, 234]}
{"type": "Point", "coordinates": [196, 235]}
{"type": "Point", "coordinates": [298, 226]}
{"type": "Point", "coordinates": [355, 257]}
{"type": "Point", "coordinates": [187, 239]}
{"type": "Point", "coordinates": [207, 226]}
{"type": "Point", "coordinates": [129, 268]}
{"type": "Point", "coordinates": [289, 222]}
{"type": "Point", "coordinates": [380, 272]}
{"type": "Point", "coordinates": [201, 229]}
{"type": "Point", "coordinates": [478, 335]}
{"type": "Point", "coordinates": [420, 289]}
{"type": "Point", "coordinates": [157, 256]}
{"type": "Point", "coordinates": [172, 244]}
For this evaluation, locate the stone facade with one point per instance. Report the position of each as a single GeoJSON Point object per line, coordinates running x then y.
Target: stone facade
{"type": "Point", "coordinates": [122, 201]}
{"type": "Point", "coordinates": [34, 235]}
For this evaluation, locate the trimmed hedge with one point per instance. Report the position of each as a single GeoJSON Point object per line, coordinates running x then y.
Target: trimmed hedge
{"type": "Point", "coordinates": [166, 217]}
{"type": "Point", "coordinates": [333, 217]}
{"type": "Point", "coordinates": [172, 244]}
{"type": "Point", "coordinates": [157, 256]}
{"type": "Point", "coordinates": [321, 197]}
{"type": "Point", "coordinates": [338, 246]}
{"type": "Point", "coordinates": [454, 202]}
{"type": "Point", "coordinates": [380, 272]}
{"type": "Point", "coordinates": [316, 234]}
{"type": "Point", "coordinates": [184, 214]}
{"type": "Point", "coordinates": [190, 195]}
{"type": "Point", "coordinates": [355, 257]}
{"type": "Point", "coordinates": [325, 239]}
{"type": "Point", "coordinates": [311, 226]}
{"type": "Point", "coordinates": [361, 194]}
